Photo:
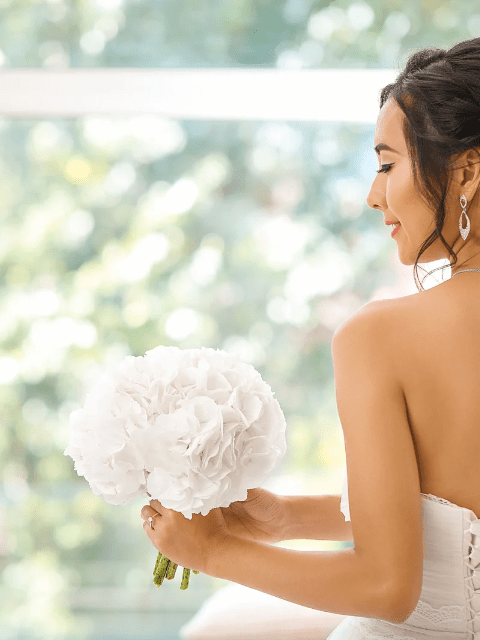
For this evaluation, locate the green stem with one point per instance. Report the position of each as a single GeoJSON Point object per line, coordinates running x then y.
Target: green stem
{"type": "Point", "coordinates": [159, 557]}
{"type": "Point", "coordinates": [164, 568]}
{"type": "Point", "coordinates": [172, 567]}
{"type": "Point", "coordinates": [160, 572]}
{"type": "Point", "coordinates": [185, 579]}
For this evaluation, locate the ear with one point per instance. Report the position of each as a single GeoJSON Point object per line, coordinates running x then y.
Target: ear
{"type": "Point", "coordinates": [466, 172]}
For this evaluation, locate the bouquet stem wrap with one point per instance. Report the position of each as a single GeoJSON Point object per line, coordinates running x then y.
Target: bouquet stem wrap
{"type": "Point", "coordinates": [191, 428]}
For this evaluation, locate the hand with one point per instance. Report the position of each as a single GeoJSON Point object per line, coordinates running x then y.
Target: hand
{"type": "Point", "coordinates": [187, 543]}
{"type": "Point", "coordinates": [261, 517]}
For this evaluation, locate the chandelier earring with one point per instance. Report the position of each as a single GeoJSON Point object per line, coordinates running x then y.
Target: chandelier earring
{"type": "Point", "coordinates": [464, 232]}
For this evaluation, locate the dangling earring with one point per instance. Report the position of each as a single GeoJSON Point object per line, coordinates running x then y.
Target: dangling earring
{"type": "Point", "coordinates": [464, 232]}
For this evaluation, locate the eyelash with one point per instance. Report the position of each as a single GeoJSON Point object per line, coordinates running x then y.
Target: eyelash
{"type": "Point", "coordinates": [383, 170]}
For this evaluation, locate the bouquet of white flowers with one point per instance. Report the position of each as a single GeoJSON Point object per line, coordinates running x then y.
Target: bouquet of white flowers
{"type": "Point", "coordinates": [191, 428]}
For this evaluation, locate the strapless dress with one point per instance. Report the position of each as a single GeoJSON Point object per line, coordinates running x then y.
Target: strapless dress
{"type": "Point", "coordinates": [449, 603]}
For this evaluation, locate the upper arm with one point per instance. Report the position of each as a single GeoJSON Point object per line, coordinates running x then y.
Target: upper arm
{"type": "Point", "coordinates": [383, 479]}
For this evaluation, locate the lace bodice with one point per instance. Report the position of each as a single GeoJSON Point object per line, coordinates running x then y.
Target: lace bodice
{"type": "Point", "coordinates": [449, 604]}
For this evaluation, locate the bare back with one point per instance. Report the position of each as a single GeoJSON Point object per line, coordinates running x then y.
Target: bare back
{"type": "Point", "coordinates": [436, 346]}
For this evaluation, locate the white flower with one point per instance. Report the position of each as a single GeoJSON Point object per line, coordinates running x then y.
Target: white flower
{"type": "Point", "coordinates": [191, 428]}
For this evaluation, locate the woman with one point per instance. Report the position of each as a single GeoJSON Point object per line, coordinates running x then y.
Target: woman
{"type": "Point", "coordinates": [407, 380]}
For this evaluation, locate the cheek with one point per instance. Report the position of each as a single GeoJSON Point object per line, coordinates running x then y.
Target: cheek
{"type": "Point", "coordinates": [412, 200]}
{"type": "Point", "coordinates": [401, 193]}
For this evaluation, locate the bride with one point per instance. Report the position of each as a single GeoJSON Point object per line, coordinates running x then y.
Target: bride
{"type": "Point", "coordinates": [407, 380]}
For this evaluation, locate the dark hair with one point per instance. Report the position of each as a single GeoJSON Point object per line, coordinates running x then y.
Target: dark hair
{"type": "Point", "coordinates": [439, 93]}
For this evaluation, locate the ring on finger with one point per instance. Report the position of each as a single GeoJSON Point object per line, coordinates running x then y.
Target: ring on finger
{"type": "Point", "coordinates": [150, 519]}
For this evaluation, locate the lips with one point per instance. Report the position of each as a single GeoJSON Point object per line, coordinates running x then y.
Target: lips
{"type": "Point", "coordinates": [395, 229]}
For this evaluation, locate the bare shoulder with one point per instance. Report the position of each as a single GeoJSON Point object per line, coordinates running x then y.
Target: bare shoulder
{"type": "Point", "coordinates": [408, 316]}
{"type": "Point", "coordinates": [399, 311]}
{"type": "Point", "coordinates": [390, 327]}
{"type": "Point", "coordinates": [369, 309]}
{"type": "Point", "coordinates": [412, 311]}
{"type": "Point", "coordinates": [378, 314]}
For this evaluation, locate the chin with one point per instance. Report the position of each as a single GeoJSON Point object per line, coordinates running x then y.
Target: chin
{"type": "Point", "coordinates": [408, 260]}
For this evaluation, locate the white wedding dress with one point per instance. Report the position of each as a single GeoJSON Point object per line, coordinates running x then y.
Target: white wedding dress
{"type": "Point", "coordinates": [449, 604]}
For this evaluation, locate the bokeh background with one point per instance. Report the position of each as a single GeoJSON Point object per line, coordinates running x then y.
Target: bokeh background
{"type": "Point", "coordinates": [121, 233]}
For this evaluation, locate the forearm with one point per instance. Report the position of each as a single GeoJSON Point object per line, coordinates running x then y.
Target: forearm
{"type": "Point", "coordinates": [334, 581]}
{"type": "Point", "coordinates": [315, 518]}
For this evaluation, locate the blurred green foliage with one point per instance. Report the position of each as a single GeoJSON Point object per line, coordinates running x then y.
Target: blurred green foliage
{"type": "Point", "coordinates": [119, 234]}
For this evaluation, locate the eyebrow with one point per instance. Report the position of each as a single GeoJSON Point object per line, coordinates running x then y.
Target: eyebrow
{"type": "Point", "coordinates": [383, 147]}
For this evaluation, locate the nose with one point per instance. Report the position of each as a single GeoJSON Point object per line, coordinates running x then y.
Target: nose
{"type": "Point", "coordinates": [375, 199]}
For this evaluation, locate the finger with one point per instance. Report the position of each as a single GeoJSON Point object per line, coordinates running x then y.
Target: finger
{"type": "Point", "coordinates": [148, 530]}
{"type": "Point", "coordinates": [148, 527]}
{"type": "Point", "coordinates": [147, 511]}
{"type": "Point", "coordinates": [156, 505]}
{"type": "Point", "coordinates": [151, 534]}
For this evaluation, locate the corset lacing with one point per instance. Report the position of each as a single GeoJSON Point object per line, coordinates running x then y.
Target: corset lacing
{"type": "Point", "coordinates": [472, 578]}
